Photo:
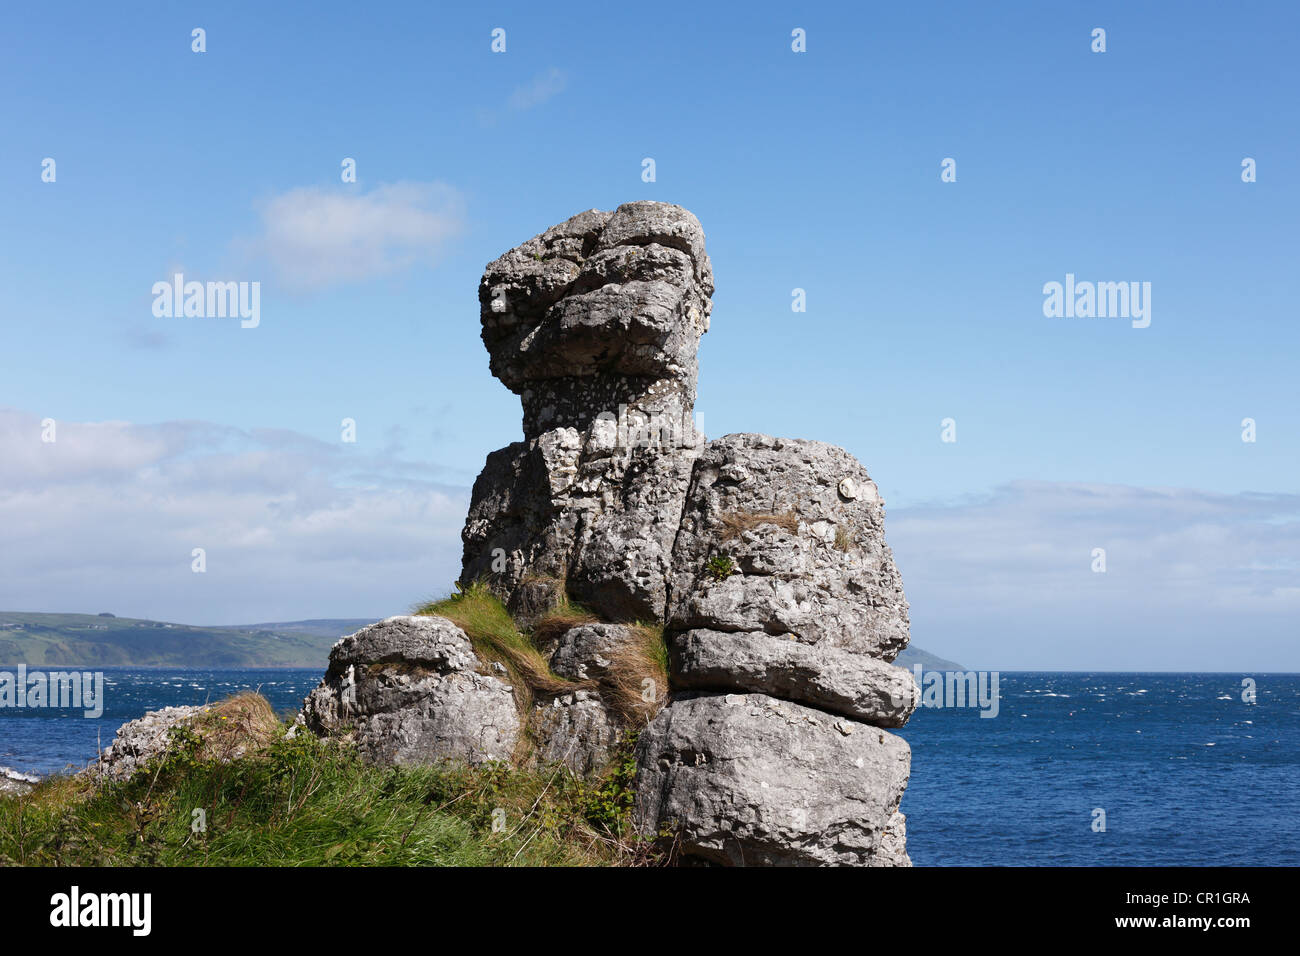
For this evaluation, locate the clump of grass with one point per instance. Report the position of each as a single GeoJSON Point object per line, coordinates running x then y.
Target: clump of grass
{"type": "Point", "coordinates": [308, 802]}
{"type": "Point", "coordinates": [492, 631]}
{"type": "Point", "coordinates": [736, 523]}
{"type": "Point", "coordinates": [720, 567]}
{"type": "Point", "coordinates": [635, 685]}
{"type": "Point", "coordinates": [565, 616]}
{"type": "Point", "coordinates": [844, 540]}
{"type": "Point", "coordinates": [241, 724]}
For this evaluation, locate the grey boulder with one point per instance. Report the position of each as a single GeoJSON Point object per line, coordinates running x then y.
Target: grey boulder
{"type": "Point", "coordinates": [584, 510]}
{"type": "Point", "coordinates": [602, 310]}
{"type": "Point", "coordinates": [575, 730]}
{"type": "Point", "coordinates": [746, 779]}
{"type": "Point", "coordinates": [411, 690]}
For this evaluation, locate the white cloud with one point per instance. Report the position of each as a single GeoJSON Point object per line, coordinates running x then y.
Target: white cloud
{"type": "Point", "coordinates": [314, 238]}
{"type": "Point", "coordinates": [104, 519]}
{"type": "Point", "coordinates": [1193, 580]}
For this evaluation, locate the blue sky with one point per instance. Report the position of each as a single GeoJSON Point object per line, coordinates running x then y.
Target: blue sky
{"type": "Point", "coordinates": [818, 170]}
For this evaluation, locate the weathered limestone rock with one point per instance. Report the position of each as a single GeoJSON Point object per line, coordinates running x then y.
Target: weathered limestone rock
{"type": "Point", "coordinates": [586, 652]}
{"type": "Point", "coordinates": [830, 581]}
{"type": "Point", "coordinates": [603, 310]}
{"type": "Point", "coordinates": [576, 730]}
{"type": "Point", "coordinates": [595, 324]}
{"type": "Point", "coordinates": [839, 681]}
{"type": "Point", "coordinates": [584, 509]}
{"type": "Point", "coordinates": [749, 780]}
{"type": "Point", "coordinates": [764, 557]}
{"type": "Point", "coordinates": [893, 845]}
{"type": "Point", "coordinates": [138, 742]}
{"type": "Point", "coordinates": [411, 690]}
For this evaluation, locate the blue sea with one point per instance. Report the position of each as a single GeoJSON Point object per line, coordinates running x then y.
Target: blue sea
{"type": "Point", "coordinates": [1185, 770]}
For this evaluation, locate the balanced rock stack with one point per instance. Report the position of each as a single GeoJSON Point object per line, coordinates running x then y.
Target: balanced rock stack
{"type": "Point", "coordinates": [764, 559]}
{"type": "Point", "coordinates": [596, 324]}
{"type": "Point", "coordinates": [784, 609]}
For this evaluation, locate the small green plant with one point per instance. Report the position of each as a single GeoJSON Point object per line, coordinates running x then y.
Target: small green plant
{"type": "Point", "coordinates": [608, 802]}
{"type": "Point", "coordinates": [720, 567]}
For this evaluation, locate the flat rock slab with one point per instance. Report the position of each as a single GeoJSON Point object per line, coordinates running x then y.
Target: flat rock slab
{"type": "Point", "coordinates": [829, 678]}
{"type": "Point", "coordinates": [748, 780]}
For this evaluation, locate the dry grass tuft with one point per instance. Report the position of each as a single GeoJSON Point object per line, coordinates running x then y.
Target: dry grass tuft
{"type": "Point", "coordinates": [492, 631]}
{"type": "Point", "coordinates": [556, 623]}
{"type": "Point", "coordinates": [624, 686]}
{"type": "Point", "coordinates": [737, 523]}
{"type": "Point", "coordinates": [240, 725]}
{"type": "Point", "coordinates": [844, 540]}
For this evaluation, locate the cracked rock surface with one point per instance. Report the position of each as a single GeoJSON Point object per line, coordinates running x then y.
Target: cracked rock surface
{"type": "Point", "coordinates": [751, 780]}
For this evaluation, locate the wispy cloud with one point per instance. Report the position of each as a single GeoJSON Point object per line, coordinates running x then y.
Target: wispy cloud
{"type": "Point", "coordinates": [314, 238]}
{"type": "Point", "coordinates": [542, 87]}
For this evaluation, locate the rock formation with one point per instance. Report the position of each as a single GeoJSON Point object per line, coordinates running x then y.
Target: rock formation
{"type": "Point", "coordinates": [139, 742]}
{"type": "Point", "coordinates": [595, 324]}
{"type": "Point", "coordinates": [412, 690]}
{"type": "Point", "coordinates": [764, 559]}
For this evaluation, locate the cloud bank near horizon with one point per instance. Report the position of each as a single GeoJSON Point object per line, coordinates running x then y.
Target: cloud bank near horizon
{"type": "Point", "coordinates": [106, 517]}
{"type": "Point", "coordinates": [1193, 580]}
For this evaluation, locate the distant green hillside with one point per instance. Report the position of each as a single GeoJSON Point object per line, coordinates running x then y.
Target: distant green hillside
{"type": "Point", "coordinates": [912, 656]}
{"type": "Point", "coordinates": [89, 640]}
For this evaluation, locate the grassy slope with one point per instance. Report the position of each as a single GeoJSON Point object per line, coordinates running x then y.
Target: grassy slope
{"type": "Point", "coordinates": [301, 802]}
{"type": "Point", "coordinates": [88, 640]}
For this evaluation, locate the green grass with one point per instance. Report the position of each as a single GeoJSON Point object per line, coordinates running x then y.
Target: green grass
{"type": "Point", "coordinates": [492, 631]}
{"type": "Point", "coordinates": [303, 802]}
